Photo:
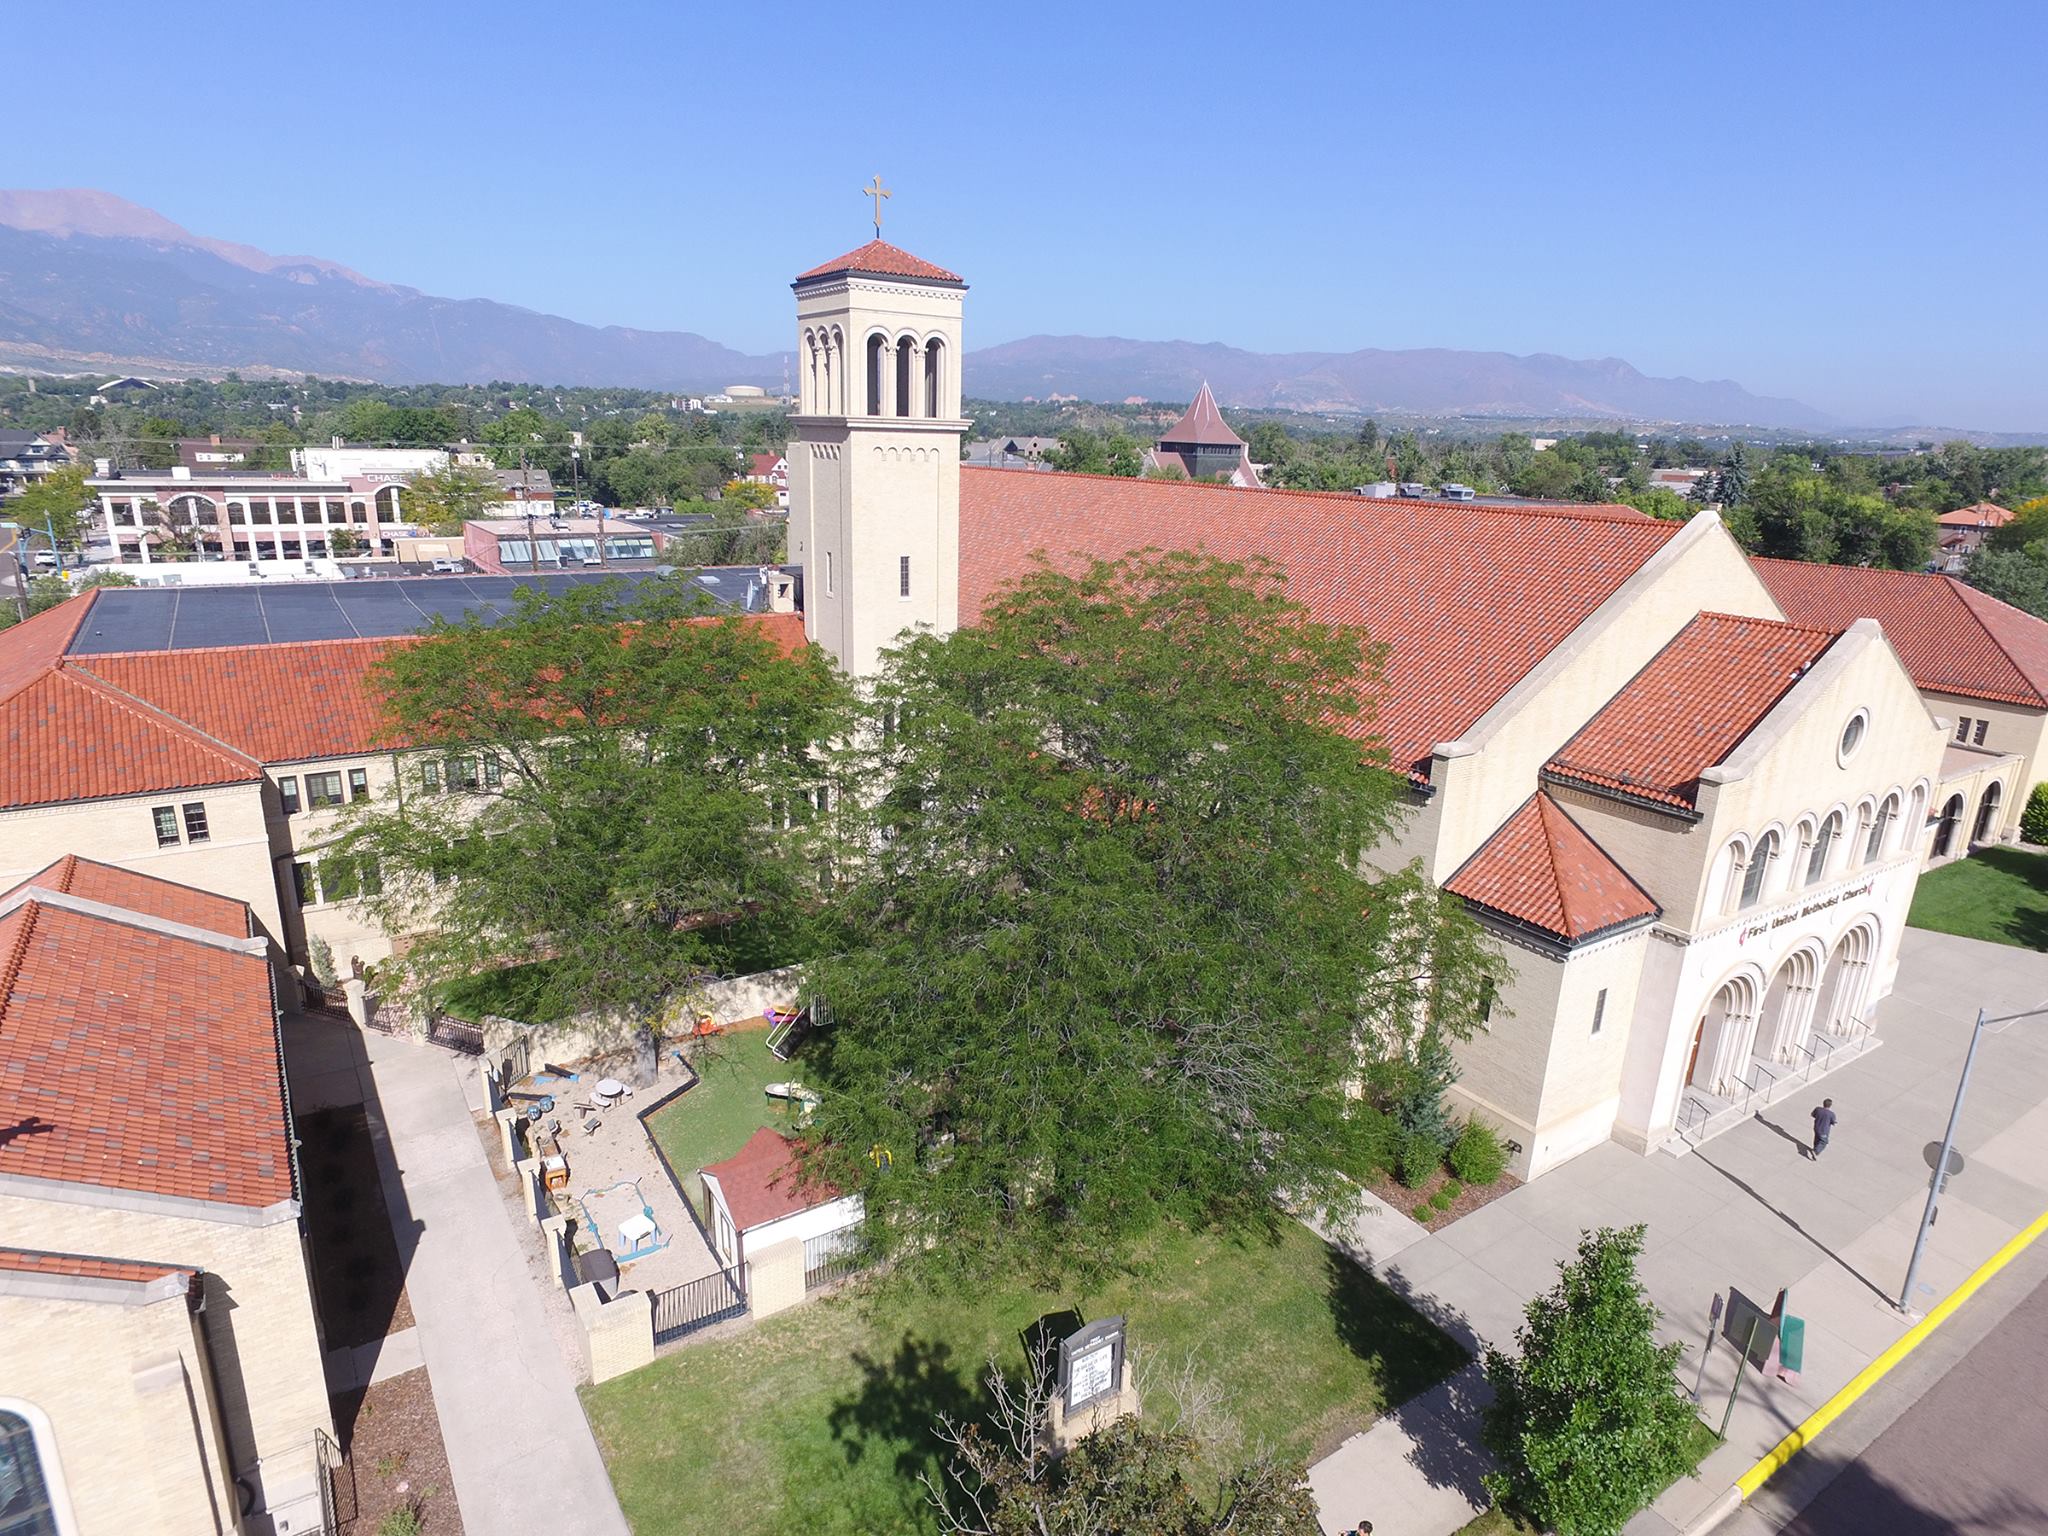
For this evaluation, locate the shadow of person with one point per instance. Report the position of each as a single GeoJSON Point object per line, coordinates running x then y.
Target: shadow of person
{"type": "Point", "coordinates": [1778, 1130]}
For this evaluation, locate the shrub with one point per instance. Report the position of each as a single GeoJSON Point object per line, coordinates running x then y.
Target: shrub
{"type": "Point", "coordinates": [322, 960]}
{"type": "Point", "coordinates": [1588, 1422]}
{"type": "Point", "coordinates": [2034, 819]}
{"type": "Point", "coordinates": [1424, 1210]}
{"type": "Point", "coordinates": [1374, 1145]}
{"type": "Point", "coordinates": [1446, 1196]}
{"type": "Point", "coordinates": [1477, 1156]}
{"type": "Point", "coordinates": [1419, 1099]}
{"type": "Point", "coordinates": [1421, 1155]}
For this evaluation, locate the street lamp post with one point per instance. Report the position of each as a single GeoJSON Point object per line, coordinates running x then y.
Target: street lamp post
{"type": "Point", "coordinates": [1939, 1179]}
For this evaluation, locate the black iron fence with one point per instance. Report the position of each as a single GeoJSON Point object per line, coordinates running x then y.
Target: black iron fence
{"type": "Point", "coordinates": [455, 1034]}
{"type": "Point", "coordinates": [683, 1309]}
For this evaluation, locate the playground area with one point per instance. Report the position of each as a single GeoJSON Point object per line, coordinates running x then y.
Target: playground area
{"type": "Point", "coordinates": [599, 1160]}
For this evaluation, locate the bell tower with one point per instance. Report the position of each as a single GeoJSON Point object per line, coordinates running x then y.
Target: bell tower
{"type": "Point", "coordinates": [874, 466]}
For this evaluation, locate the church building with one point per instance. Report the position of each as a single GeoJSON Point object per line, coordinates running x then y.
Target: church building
{"type": "Point", "coordinates": [1201, 446]}
{"type": "Point", "coordinates": [1690, 801]}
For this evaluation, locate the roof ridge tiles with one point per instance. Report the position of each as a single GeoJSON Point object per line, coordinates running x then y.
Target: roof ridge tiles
{"type": "Point", "coordinates": [1750, 618]}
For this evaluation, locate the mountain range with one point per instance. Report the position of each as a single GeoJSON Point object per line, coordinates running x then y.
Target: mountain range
{"type": "Point", "coordinates": [92, 282]}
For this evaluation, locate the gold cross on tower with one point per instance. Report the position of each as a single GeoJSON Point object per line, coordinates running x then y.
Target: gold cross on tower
{"type": "Point", "coordinates": [877, 192]}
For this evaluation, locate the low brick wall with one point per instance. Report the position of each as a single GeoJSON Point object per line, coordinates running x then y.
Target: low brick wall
{"type": "Point", "coordinates": [618, 1335]}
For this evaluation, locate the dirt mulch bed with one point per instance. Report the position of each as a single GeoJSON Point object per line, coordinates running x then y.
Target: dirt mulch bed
{"type": "Point", "coordinates": [1390, 1190]}
{"type": "Point", "coordinates": [393, 1458]}
{"type": "Point", "coordinates": [360, 1276]}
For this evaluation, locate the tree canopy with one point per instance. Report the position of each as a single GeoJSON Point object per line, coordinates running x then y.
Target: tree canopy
{"type": "Point", "coordinates": [442, 500]}
{"type": "Point", "coordinates": [58, 500]}
{"type": "Point", "coordinates": [1587, 1420]}
{"type": "Point", "coordinates": [595, 781]}
{"type": "Point", "coordinates": [1113, 959]}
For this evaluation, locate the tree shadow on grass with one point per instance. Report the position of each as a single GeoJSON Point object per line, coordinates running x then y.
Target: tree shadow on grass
{"type": "Point", "coordinates": [1411, 1342]}
{"type": "Point", "coordinates": [900, 1400]}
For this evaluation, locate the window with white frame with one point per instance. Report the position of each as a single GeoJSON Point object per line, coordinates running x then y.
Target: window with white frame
{"type": "Point", "coordinates": [31, 1502]}
{"type": "Point", "coordinates": [323, 789]}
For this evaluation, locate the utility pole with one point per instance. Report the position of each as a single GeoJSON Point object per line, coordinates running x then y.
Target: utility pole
{"type": "Point", "coordinates": [526, 505]}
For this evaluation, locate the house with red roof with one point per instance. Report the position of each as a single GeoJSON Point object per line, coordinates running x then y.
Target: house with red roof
{"type": "Point", "coordinates": [163, 1364]}
{"type": "Point", "coordinates": [762, 1206]}
{"type": "Point", "coordinates": [1692, 818]}
{"type": "Point", "coordinates": [1962, 533]}
{"type": "Point", "coordinates": [772, 470]}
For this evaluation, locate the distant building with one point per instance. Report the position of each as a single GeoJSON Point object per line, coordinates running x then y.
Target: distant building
{"type": "Point", "coordinates": [1202, 445]}
{"type": "Point", "coordinates": [217, 452]}
{"type": "Point", "coordinates": [244, 515]}
{"type": "Point", "coordinates": [341, 461]}
{"type": "Point", "coordinates": [524, 490]}
{"type": "Point", "coordinates": [1681, 481]}
{"type": "Point", "coordinates": [25, 457]}
{"type": "Point", "coordinates": [1012, 452]}
{"type": "Point", "coordinates": [1963, 532]}
{"type": "Point", "coordinates": [770, 469]}
{"type": "Point", "coordinates": [745, 392]}
{"type": "Point", "coordinates": [499, 545]}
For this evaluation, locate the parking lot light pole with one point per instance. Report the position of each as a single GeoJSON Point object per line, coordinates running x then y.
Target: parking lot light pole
{"type": "Point", "coordinates": [1938, 1180]}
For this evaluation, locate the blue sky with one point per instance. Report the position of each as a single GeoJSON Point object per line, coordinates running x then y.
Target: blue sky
{"type": "Point", "coordinates": [1841, 202]}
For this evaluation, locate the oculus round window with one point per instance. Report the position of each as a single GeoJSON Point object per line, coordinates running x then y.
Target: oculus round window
{"type": "Point", "coordinates": [1852, 734]}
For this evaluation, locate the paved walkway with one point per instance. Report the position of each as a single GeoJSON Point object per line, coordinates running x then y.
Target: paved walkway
{"type": "Point", "coordinates": [517, 1442]}
{"type": "Point", "coordinates": [1747, 1211]}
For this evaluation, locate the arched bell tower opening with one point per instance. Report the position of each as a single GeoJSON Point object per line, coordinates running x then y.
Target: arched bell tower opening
{"type": "Point", "coordinates": [874, 463]}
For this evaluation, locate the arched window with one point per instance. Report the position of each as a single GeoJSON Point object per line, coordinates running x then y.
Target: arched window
{"type": "Point", "coordinates": [906, 351]}
{"type": "Point", "coordinates": [28, 1502]}
{"type": "Point", "coordinates": [875, 345]}
{"type": "Point", "coordinates": [933, 393]}
{"type": "Point", "coordinates": [835, 374]}
{"type": "Point", "coordinates": [1823, 845]}
{"type": "Point", "coordinates": [1945, 829]}
{"type": "Point", "coordinates": [1881, 828]}
{"type": "Point", "coordinates": [1759, 866]}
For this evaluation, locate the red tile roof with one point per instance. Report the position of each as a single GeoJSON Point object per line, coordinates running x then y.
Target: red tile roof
{"type": "Point", "coordinates": [277, 703]}
{"type": "Point", "coordinates": [1202, 424]}
{"type": "Point", "coordinates": [66, 735]}
{"type": "Point", "coordinates": [762, 1182]}
{"type": "Point", "coordinates": [135, 1060]}
{"type": "Point", "coordinates": [881, 259]}
{"type": "Point", "coordinates": [1982, 514]}
{"type": "Point", "coordinates": [1952, 638]}
{"type": "Point", "coordinates": [86, 1267]}
{"type": "Point", "coordinates": [112, 886]}
{"type": "Point", "coordinates": [1542, 870]}
{"type": "Point", "coordinates": [1687, 710]}
{"type": "Point", "coordinates": [1467, 598]}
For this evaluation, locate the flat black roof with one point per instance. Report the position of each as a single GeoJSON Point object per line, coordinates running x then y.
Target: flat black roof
{"type": "Point", "coordinates": [193, 618]}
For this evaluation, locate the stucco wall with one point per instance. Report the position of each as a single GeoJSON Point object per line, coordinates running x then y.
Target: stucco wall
{"type": "Point", "coordinates": [2013, 728]}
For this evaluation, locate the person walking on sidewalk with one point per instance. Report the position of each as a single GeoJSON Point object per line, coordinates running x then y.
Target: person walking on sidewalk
{"type": "Point", "coordinates": [1823, 1128]}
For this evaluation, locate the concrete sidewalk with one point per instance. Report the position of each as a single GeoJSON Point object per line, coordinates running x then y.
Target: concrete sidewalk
{"type": "Point", "coordinates": [519, 1449]}
{"type": "Point", "coordinates": [1748, 1211]}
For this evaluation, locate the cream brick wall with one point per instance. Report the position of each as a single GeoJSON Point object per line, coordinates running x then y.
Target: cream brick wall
{"type": "Point", "coordinates": [272, 1393]}
{"type": "Point", "coordinates": [1501, 1068]}
{"type": "Point", "coordinates": [775, 1277]}
{"type": "Point", "coordinates": [233, 861]}
{"type": "Point", "coordinates": [124, 1390]}
{"type": "Point", "coordinates": [618, 1335]}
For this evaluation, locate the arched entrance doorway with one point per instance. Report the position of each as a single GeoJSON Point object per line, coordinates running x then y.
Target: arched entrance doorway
{"type": "Point", "coordinates": [1845, 983]}
{"type": "Point", "coordinates": [1945, 831]}
{"type": "Point", "coordinates": [1721, 1040]}
{"type": "Point", "coordinates": [1987, 814]}
{"type": "Point", "coordinates": [1786, 1018]}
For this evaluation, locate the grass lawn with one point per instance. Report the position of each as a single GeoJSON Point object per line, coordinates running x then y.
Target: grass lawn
{"type": "Point", "coordinates": [1999, 894]}
{"type": "Point", "coordinates": [713, 1120]}
{"type": "Point", "coordinates": [819, 1420]}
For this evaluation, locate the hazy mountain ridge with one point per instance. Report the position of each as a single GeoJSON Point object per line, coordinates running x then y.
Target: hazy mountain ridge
{"type": "Point", "coordinates": [91, 281]}
{"type": "Point", "coordinates": [1425, 381]}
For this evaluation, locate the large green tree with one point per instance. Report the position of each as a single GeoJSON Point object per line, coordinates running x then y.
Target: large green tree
{"type": "Point", "coordinates": [594, 781]}
{"type": "Point", "coordinates": [1114, 960]}
{"type": "Point", "coordinates": [57, 501]}
{"type": "Point", "coordinates": [442, 500]}
{"type": "Point", "coordinates": [1588, 1422]}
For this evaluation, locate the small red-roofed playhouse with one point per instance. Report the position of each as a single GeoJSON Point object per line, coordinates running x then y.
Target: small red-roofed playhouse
{"type": "Point", "coordinates": [766, 1213]}
{"type": "Point", "coordinates": [1689, 796]}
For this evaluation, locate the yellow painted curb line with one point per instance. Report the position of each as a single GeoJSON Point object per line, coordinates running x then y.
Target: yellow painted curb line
{"type": "Point", "coordinates": [1810, 1428]}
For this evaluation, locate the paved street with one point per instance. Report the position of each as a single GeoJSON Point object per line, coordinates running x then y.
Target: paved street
{"type": "Point", "coordinates": [1967, 1457]}
{"type": "Point", "coordinates": [1748, 1211]}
